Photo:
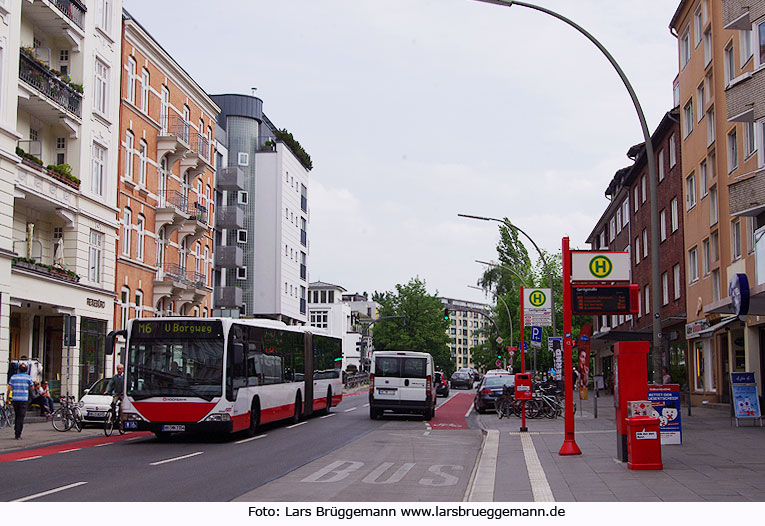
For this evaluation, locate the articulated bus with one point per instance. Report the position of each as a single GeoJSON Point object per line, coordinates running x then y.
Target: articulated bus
{"type": "Point", "coordinates": [224, 375]}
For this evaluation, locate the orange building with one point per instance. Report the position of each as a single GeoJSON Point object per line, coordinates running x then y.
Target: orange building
{"type": "Point", "coordinates": [166, 185]}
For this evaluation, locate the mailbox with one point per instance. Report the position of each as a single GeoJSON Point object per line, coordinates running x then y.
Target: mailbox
{"type": "Point", "coordinates": [643, 443]}
{"type": "Point", "coordinates": [523, 386]}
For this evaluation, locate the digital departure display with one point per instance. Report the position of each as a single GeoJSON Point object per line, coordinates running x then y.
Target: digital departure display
{"type": "Point", "coordinates": [174, 329]}
{"type": "Point", "coordinates": [604, 299]}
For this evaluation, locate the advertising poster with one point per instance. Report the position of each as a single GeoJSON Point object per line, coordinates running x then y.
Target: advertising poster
{"type": "Point", "coordinates": [745, 400]}
{"type": "Point", "coordinates": [556, 348]}
{"type": "Point", "coordinates": [583, 344]}
{"type": "Point", "coordinates": [665, 400]}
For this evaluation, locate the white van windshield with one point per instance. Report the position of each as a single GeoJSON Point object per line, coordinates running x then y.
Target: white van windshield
{"type": "Point", "coordinates": [401, 367]}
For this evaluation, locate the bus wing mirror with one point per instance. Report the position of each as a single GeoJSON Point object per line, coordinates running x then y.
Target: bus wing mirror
{"type": "Point", "coordinates": [110, 339]}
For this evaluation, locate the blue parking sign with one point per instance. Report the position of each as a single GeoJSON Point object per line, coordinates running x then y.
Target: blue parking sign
{"type": "Point", "coordinates": [536, 334]}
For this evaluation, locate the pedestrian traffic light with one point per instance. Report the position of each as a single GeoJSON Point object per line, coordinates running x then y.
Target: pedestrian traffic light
{"type": "Point", "coordinates": [446, 314]}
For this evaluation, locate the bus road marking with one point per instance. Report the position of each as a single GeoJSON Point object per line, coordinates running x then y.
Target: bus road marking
{"type": "Point", "coordinates": [249, 439]}
{"type": "Point", "coordinates": [298, 424]}
{"type": "Point", "coordinates": [176, 458]}
{"type": "Point", "coordinates": [44, 493]}
{"type": "Point", "coordinates": [28, 458]}
{"type": "Point", "coordinates": [351, 409]}
{"type": "Point", "coordinates": [327, 416]}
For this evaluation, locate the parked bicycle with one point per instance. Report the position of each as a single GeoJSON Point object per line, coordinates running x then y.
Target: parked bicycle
{"type": "Point", "coordinates": [112, 419]}
{"type": "Point", "coordinates": [7, 414]}
{"type": "Point", "coordinates": [67, 416]}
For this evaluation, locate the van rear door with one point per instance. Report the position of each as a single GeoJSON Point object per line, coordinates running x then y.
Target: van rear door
{"type": "Point", "coordinates": [414, 374]}
{"type": "Point", "coordinates": [387, 378]}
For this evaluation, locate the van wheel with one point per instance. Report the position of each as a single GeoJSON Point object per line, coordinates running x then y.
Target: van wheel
{"type": "Point", "coordinates": [298, 409]}
{"type": "Point", "coordinates": [373, 414]}
{"type": "Point", "coordinates": [430, 413]}
{"type": "Point", "coordinates": [254, 419]}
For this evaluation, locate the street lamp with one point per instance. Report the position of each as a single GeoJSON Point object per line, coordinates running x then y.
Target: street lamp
{"type": "Point", "coordinates": [508, 224]}
{"type": "Point", "coordinates": [509, 269]}
{"type": "Point", "coordinates": [510, 319]}
{"type": "Point", "coordinates": [655, 283]}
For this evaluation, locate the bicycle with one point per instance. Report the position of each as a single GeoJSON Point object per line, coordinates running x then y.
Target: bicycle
{"type": "Point", "coordinates": [7, 414]}
{"type": "Point", "coordinates": [113, 417]}
{"type": "Point", "coordinates": [67, 416]}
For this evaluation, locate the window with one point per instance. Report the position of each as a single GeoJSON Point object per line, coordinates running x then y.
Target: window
{"type": "Point", "coordinates": [685, 47]}
{"type": "Point", "coordinates": [711, 126]}
{"type": "Point", "coordinates": [637, 250]}
{"type": "Point", "coordinates": [101, 91]}
{"type": "Point", "coordinates": [145, 90]}
{"type": "Point", "coordinates": [611, 229]}
{"type": "Point", "coordinates": [619, 219]}
{"type": "Point", "coordinates": [690, 191]}
{"type": "Point", "coordinates": [124, 306]}
{"type": "Point", "coordinates": [716, 284]}
{"type": "Point", "coordinates": [142, 163]}
{"type": "Point", "coordinates": [693, 266]}
{"type": "Point", "coordinates": [129, 144]}
{"type": "Point", "coordinates": [707, 46]}
{"type": "Point", "coordinates": [242, 197]}
{"type": "Point", "coordinates": [713, 206]}
{"type": "Point", "coordinates": [164, 108]}
{"type": "Point", "coordinates": [99, 170]}
{"type": "Point", "coordinates": [104, 14]}
{"type": "Point", "coordinates": [706, 257]}
{"type": "Point", "coordinates": [703, 181]}
{"type": "Point", "coordinates": [701, 102]}
{"type": "Point", "coordinates": [636, 197]}
{"type": "Point", "coordinates": [676, 280]}
{"type": "Point", "coordinates": [688, 119]}
{"type": "Point", "coordinates": [749, 141]}
{"type": "Point", "coordinates": [645, 243]}
{"type": "Point", "coordinates": [672, 151]}
{"type": "Point", "coordinates": [643, 189]}
{"type": "Point", "coordinates": [241, 273]}
{"type": "Point", "coordinates": [660, 164]}
{"type": "Point", "coordinates": [730, 64]}
{"type": "Point", "coordinates": [131, 80]}
{"type": "Point", "coordinates": [761, 46]}
{"type": "Point", "coordinates": [602, 239]}
{"type": "Point", "coordinates": [663, 224]}
{"type": "Point", "coordinates": [625, 212]}
{"type": "Point", "coordinates": [241, 236]}
{"type": "Point", "coordinates": [698, 26]}
{"type": "Point", "coordinates": [141, 237]}
{"type": "Point", "coordinates": [138, 303]}
{"type": "Point", "coordinates": [647, 298]}
{"type": "Point", "coordinates": [127, 226]}
{"type": "Point", "coordinates": [675, 217]}
{"type": "Point", "coordinates": [243, 159]}
{"type": "Point", "coordinates": [94, 256]}
{"type": "Point", "coordinates": [735, 240]}
{"type": "Point", "coordinates": [714, 242]}
{"type": "Point", "coordinates": [750, 237]}
{"type": "Point", "coordinates": [745, 40]}
{"type": "Point", "coordinates": [732, 151]}
{"type": "Point", "coordinates": [664, 289]}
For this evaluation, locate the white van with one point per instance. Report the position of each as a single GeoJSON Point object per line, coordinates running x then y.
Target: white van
{"type": "Point", "coordinates": [402, 382]}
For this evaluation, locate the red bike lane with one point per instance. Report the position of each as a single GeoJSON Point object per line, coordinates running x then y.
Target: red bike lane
{"type": "Point", "coordinates": [451, 413]}
{"type": "Point", "coordinates": [28, 454]}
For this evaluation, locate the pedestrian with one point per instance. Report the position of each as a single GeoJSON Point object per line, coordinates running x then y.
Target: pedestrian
{"type": "Point", "coordinates": [43, 398]}
{"type": "Point", "coordinates": [666, 378]}
{"type": "Point", "coordinates": [18, 386]}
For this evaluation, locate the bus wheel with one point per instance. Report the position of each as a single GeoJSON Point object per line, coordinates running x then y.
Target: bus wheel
{"type": "Point", "coordinates": [329, 401]}
{"type": "Point", "coordinates": [298, 409]}
{"type": "Point", "coordinates": [254, 419]}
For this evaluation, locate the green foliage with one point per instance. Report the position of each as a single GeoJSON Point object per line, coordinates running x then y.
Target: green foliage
{"type": "Point", "coordinates": [30, 52]}
{"type": "Point", "coordinates": [65, 171]}
{"type": "Point", "coordinates": [425, 327]}
{"type": "Point", "coordinates": [287, 138]}
{"type": "Point", "coordinates": [21, 153]}
{"type": "Point", "coordinates": [52, 268]}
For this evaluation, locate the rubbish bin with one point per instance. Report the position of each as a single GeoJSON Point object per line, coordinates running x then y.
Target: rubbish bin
{"type": "Point", "coordinates": [643, 443]}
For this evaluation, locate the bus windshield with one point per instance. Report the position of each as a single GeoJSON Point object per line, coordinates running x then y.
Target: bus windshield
{"type": "Point", "coordinates": [187, 363]}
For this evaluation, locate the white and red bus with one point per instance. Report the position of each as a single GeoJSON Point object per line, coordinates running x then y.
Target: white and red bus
{"type": "Point", "coordinates": [224, 375]}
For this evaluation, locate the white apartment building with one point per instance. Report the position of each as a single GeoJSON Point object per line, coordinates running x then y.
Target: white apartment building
{"type": "Point", "coordinates": [466, 329]}
{"type": "Point", "coordinates": [59, 126]}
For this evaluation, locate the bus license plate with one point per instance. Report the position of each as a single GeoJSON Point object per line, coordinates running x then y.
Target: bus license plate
{"type": "Point", "coordinates": [174, 428]}
{"type": "Point", "coordinates": [130, 424]}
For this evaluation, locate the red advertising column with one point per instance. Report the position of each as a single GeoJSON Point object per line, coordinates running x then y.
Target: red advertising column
{"type": "Point", "coordinates": [569, 446]}
{"type": "Point", "coordinates": [630, 385]}
{"type": "Point", "coordinates": [523, 366]}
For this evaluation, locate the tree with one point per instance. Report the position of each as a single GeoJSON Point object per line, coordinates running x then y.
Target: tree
{"type": "Point", "coordinates": [425, 326]}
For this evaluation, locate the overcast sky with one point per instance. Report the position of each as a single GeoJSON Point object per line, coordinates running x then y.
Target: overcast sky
{"type": "Point", "coordinates": [416, 110]}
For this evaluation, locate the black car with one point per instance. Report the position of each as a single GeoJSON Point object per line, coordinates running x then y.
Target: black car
{"type": "Point", "coordinates": [490, 389]}
{"type": "Point", "coordinates": [460, 379]}
{"type": "Point", "coordinates": [442, 386]}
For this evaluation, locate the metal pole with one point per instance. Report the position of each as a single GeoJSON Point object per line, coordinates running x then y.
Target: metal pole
{"type": "Point", "coordinates": [523, 366]}
{"type": "Point", "coordinates": [569, 446]}
{"type": "Point", "coordinates": [651, 161]}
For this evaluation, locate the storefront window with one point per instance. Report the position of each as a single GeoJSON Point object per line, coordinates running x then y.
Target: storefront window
{"type": "Point", "coordinates": [92, 342]}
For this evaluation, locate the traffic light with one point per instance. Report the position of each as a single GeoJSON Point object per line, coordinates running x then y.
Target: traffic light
{"type": "Point", "coordinates": [446, 314]}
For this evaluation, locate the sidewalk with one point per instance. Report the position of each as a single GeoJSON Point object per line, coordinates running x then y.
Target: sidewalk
{"type": "Point", "coordinates": [716, 461]}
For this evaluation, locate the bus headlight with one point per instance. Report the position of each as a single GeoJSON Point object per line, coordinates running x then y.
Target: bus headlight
{"type": "Point", "coordinates": [218, 417]}
{"type": "Point", "coordinates": [132, 416]}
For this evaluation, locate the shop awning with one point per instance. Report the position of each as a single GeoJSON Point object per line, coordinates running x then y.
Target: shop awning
{"type": "Point", "coordinates": [717, 326]}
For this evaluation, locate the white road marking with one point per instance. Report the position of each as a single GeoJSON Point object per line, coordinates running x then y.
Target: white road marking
{"type": "Point", "coordinates": [593, 432]}
{"type": "Point", "coordinates": [28, 458]}
{"type": "Point", "coordinates": [249, 439]}
{"type": "Point", "coordinates": [365, 405]}
{"type": "Point", "coordinates": [298, 424]}
{"type": "Point", "coordinates": [327, 416]}
{"type": "Point", "coordinates": [70, 450]}
{"type": "Point", "coordinates": [44, 493]}
{"type": "Point", "coordinates": [176, 458]}
{"type": "Point", "coordinates": [426, 433]}
{"type": "Point", "coordinates": [540, 488]}
{"type": "Point", "coordinates": [470, 409]}
{"type": "Point", "coordinates": [104, 444]}
{"type": "Point", "coordinates": [351, 409]}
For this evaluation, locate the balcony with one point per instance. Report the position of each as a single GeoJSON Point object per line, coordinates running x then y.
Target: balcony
{"type": "Point", "coordinates": [195, 226]}
{"type": "Point", "coordinates": [58, 18]}
{"type": "Point", "coordinates": [169, 282]}
{"type": "Point", "coordinates": [230, 179]}
{"type": "Point", "coordinates": [172, 211]}
{"type": "Point", "coordinates": [50, 98]}
{"type": "Point", "coordinates": [747, 197]}
{"type": "Point", "coordinates": [173, 139]}
{"type": "Point", "coordinates": [228, 297]}
{"type": "Point", "coordinates": [229, 257]}
{"type": "Point", "coordinates": [230, 217]}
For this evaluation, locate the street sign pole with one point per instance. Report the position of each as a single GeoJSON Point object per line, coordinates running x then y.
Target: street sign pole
{"type": "Point", "coordinates": [569, 446]}
{"type": "Point", "coordinates": [523, 364]}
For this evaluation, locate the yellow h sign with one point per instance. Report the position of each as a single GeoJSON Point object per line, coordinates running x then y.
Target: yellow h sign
{"type": "Point", "coordinates": [601, 266]}
{"type": "Point", "coordinates": [537, 298]}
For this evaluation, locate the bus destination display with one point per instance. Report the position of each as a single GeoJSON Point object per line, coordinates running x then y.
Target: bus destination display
{"type": "Point", "coordinates": [177, 329]}
{"type": "Point", "coordinates": [605, 299]}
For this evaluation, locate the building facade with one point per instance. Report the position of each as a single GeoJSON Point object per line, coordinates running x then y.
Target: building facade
{"type": "Point", "coordinates": [267, 217]}
{"type": "Point", "coordinates": [625, 226]}
{"type": "Point", "coordinates": [166, 182]}
{"type": "Point", "coordinates": [467, 329]}
{"type": "Point", "coordinates": [60, 67]}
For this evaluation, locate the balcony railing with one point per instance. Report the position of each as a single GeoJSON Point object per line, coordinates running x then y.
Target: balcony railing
{"type": "Point", "coordinates": [230, 217]}
{"type": "Point", "coordinates": [44, 81]}
{"type": "Point", "coordinates": [73, 9]}
{"type": "Point", "coordinates": [202, 146]}
{"type": "Point", "coordinates": [197, 279]}
{"type": "Point", "coordinates": [200, 213]}
{"type": "Point", "coordinates": [175, 199]}
{"type": "Point", "coordinates": [175, 272]}
{"type": "Point", "coordinates": [175, 125]}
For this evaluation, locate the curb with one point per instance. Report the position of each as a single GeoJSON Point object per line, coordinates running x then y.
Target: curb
{"type": "Point", "coordinates": [482, 489]}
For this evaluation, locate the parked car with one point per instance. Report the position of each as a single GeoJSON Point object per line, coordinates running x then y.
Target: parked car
{"type": "Point", "coordinates": [492, 372]}
{"type": "Point", "coordinates": [95, 403]}
{"type": "Point", "coordinates": [490, 389]}
{"type": "Point", "coordinates": [442, 386]}
{"type": "Point", "coordinates": [461, 379]}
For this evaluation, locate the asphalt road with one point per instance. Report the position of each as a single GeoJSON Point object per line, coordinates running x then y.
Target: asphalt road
{"type": "Point", "coordinates": [196, 468]}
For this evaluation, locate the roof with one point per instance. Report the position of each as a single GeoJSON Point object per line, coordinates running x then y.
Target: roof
{"type": "Point", "coordinates": [679, 9]}
{"type": "Point", "coordinates": [323, 285]}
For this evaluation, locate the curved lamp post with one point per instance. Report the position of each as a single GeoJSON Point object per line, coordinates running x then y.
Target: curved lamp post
{"type": "Point", "coordinates": [655, 278]}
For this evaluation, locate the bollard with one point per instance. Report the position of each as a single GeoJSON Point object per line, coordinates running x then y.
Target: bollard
{"type": "Point", "coordinates": [688, 399]}
{"type": "Point", "coordinates": [595, 403]}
